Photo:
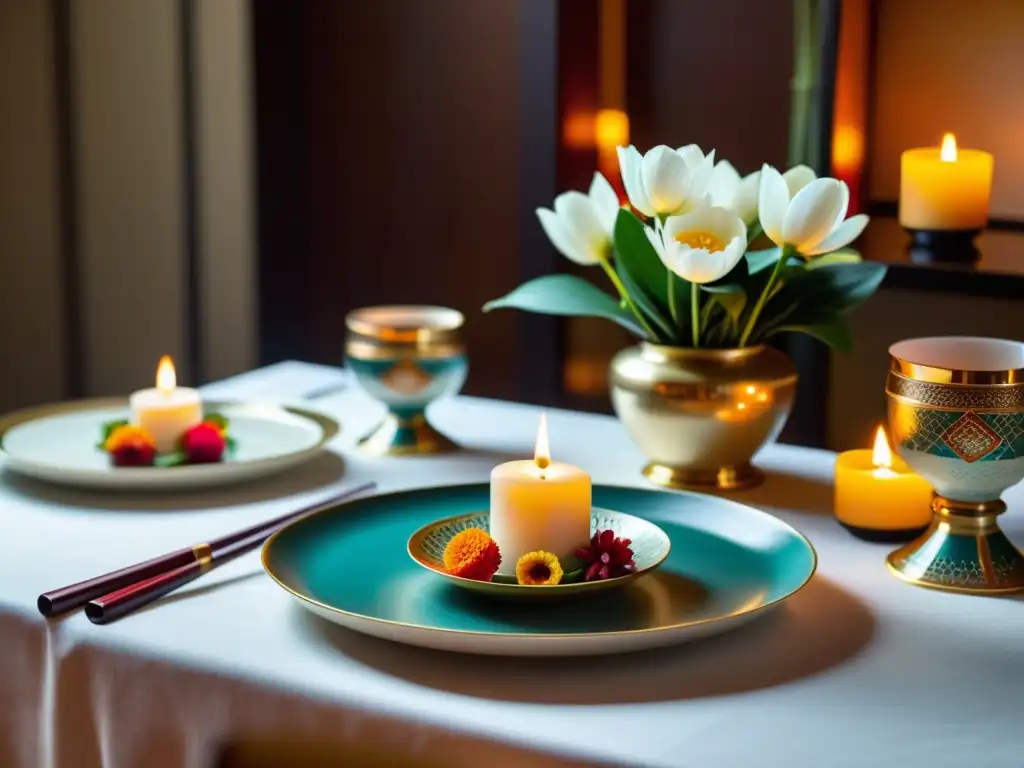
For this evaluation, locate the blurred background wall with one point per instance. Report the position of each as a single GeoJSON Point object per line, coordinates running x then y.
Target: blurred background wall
{"type": "Point", "coordinates": [223, 180]}
{"type": "Point", "coordinates": [126, 211]}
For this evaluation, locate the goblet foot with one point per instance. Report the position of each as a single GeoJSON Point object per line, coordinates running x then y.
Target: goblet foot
{"type": "Point", "coordinates": [398, 436]}
{"type": "Point", "coordinates": [721, 479]}
{"type": "Point", "coordinates": [963, 550]}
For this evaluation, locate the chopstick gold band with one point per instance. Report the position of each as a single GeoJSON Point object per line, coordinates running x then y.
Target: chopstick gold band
{"type": "Point", "coordinates": [204, 555]}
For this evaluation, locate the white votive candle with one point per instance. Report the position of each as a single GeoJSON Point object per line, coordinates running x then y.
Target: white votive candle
{"type": "Point", "coordinates": [538, 505]}
{"type": "Point", "coordinates": [166, 411]}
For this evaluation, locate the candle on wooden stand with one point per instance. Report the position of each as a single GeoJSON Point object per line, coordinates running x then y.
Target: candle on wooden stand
{"type": "Point", "coordinates": [166, 411]}
{"type": "Point", "coordinates": [878, 497]}
{"type": "Point", "coordinates": [944, 198]}
{"type": "Point", "coordinates": [538, 505]}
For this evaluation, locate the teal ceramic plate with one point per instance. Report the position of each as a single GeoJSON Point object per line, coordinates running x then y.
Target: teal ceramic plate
{"type": "Point", "coordinates": [650, 547]}
{"type": "Point", "coordinates": [728, 564]}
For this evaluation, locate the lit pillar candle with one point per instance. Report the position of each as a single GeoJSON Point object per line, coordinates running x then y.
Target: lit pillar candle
{"type": "Point", "coordinates": [167, 411]}
{"type": "Point", "coordinates": [878, 497]}
{"type": "Point", "coordinates": [945, 188]}
{"type": "Point", "coordinates": [538, 505]}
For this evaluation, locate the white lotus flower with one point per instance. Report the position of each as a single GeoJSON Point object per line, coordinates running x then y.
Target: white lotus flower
{"type": "Point", "coordinates": [727, 190]}
{"type": "Point", "coordinates": [665, 181]}
{"type": "Point", "coordinates": [724, 185]}
{"type": "Point", "coordinates": [747, 189]}
{"type": "Point", "coordinates": [703, 245]}
{"type": "Point", "coordinates": [581, 226]}
{"type": "Point", "coordinates": [813, 220]}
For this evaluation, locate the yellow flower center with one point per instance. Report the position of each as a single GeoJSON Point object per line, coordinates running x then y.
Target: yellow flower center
{"type": "Point", "coordinates": [538, 569]}
{"type": "Point", "coordinates": [706, 240]}
{"type": "Point", "coordinates": [539, 573]}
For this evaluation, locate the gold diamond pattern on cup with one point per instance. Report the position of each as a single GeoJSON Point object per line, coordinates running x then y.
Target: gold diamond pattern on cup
{"type": "Point", "coordinates": [971, 438]}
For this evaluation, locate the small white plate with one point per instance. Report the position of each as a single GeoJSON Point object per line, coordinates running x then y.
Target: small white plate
{"type": "Point", "coordinates": [58, 444]}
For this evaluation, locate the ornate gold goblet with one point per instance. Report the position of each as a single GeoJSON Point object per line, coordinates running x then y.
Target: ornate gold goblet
{"type": "Point", "coordinates": [406, 357]}
{"type": "Point", "coordinates": [956, 416]}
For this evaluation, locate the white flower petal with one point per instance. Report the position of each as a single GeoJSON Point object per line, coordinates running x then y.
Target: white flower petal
{"type": "Point", "coordinates": [812, 214]}
{"type": "Point", "coordinates": [844, 205]}
{"type": "Point", "coordinates": [745, 203]}
{"type": "Point", "coordinates": [630, 163]}
{"type": "Point", "coordinates": [724, 185]}
{"type": "Point", "coordinates": [702, 177]}
{"type": "Point", "coordinates": [721, 222]}
{"type": "Point", "coordinates": [700, 265]}
{"type": "Point", "coordinates": [665, 179]}
{"type": "Point", "coordinates": [735, 251]}
{"type": "Point", "coordinates": [772, 202]}
{"type": "Point", "coordinates": [564, 243]}
{"type": "Point", "coordinates": [579, 218]}
{"type": "Point", "coordinates": [605, 202]}
{"type": "Point", "coordinates": [692, 155]}
{"type": "Point", "coordinates": [654, 236]}
{"type": "Point", "coordinates": [842, 235]}
{"type": "Point", "coordinates": [798, 177]}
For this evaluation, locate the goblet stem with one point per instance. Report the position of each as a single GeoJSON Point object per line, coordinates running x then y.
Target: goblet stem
{"type": "Point", "coordinates": [963, 550]}
{"type": "Point", "coordinates": [405, 433]}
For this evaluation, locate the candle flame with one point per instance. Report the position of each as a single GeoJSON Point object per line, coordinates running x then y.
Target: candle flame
{"type": "Point", "coordinates": [166, 380]}
{"type": "Point", "coordinates": [881, 454]}
{"type": "Point", "coordinates": [541, 451]}
{"type": "Point", "coordinates": [948, 152]}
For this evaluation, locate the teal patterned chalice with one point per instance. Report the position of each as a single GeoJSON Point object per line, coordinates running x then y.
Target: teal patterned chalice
{"type": "Point", "coordinates": [956, 416]}
{"type": "Point", "coordinates": [406, 357]}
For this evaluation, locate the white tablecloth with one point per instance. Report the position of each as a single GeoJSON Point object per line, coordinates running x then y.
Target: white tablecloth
{"type": "Point", "coordinates": [857, 669]}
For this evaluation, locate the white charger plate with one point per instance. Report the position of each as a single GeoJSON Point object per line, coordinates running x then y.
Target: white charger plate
{"type": "Point", "coordinates": [58, 444]}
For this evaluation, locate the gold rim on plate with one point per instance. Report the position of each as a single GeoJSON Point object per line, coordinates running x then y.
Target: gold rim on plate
{"type": "Point", "coordinates": [750, 612]}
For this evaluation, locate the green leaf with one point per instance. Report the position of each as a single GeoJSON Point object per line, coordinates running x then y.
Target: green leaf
{"type": "Point", "coordinates": [230, 444]}
{"type": "Point", "coordinates": [812, 297]}
{"type": "Point", "coordinates": [731, 282]}
{"type": "Point", "coordinates": [566, 295]}
{"type": "Point", "coordinates": [572, 576]}
{"type": "Point", "coordinates": [733, 302]}
{"type": "Point", "coordinates": [170, 460]}
{"type": "Point", "coordinates": [110, 426]}
{"type": "Point", "coordinates": [839, 287]}
{"type": "Point", "coordinates": [635, 254]}
{"type": "Point", "coordinates": [758, 261]}
{"type": "Point", "coordinates": [648, 304]}
{"type": "Point", "coordinates": [218, 419]}
{"type": "Point", "coordinates": [842, 256]}
{"type": "Point", "coordinates": [684, 297]}
{"type": "Point", "coordinates": [835, 334]}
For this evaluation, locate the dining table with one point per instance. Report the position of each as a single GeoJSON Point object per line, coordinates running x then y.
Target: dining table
{"type": "Point", "coordinates": [855, 669]}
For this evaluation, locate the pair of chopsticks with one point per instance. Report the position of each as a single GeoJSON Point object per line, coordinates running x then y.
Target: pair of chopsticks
{"type": "Point", "coordinates": [109, 597]}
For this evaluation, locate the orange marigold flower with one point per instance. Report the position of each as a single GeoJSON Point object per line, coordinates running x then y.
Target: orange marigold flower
{"type": "Point", "coordinates": [472, 554]}
{"type": "Point", "coordinates": [130, 446]}
{"type": "Point", "coordinates": [538, 569]}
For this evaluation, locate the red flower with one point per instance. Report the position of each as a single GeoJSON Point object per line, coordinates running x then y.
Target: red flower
{"type": "Point", "coordinates": [607, 557]}
{"type": "Point", "coordinates": [203, 444]}
{"type": "Point", "coordinates": [130, 446]}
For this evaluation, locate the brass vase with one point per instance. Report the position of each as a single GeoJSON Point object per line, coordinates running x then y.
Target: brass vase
{"type": "Point", "coordinates": [700, 415]}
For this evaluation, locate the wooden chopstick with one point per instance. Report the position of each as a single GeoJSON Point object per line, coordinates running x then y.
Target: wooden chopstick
{"type": "Point", "coordinates": [139, 584]}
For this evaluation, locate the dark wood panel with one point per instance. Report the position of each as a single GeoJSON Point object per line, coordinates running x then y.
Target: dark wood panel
{"type": "Point", "coordinates": [281, 72]}
{"type": "Point", "coordinates": [399, 153]}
